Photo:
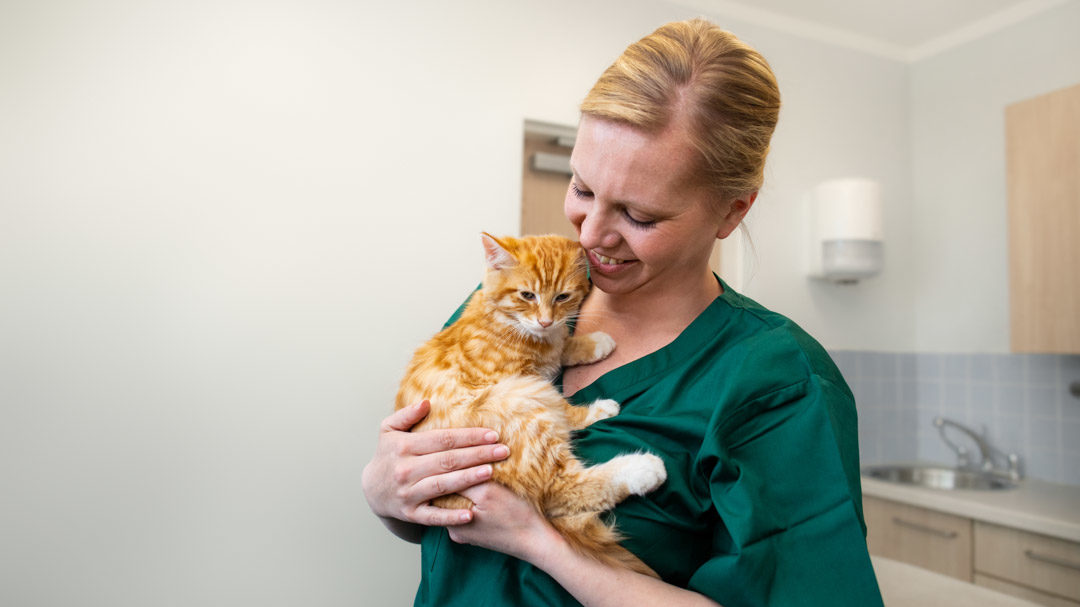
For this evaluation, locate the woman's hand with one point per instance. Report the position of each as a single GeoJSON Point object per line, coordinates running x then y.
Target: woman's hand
{"type": "Point", "coordinates": [410, 469]}
{"type": "Point", "coordinates": [505, 522]}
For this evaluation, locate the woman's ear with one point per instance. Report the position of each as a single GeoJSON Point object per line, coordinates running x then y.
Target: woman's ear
{"type": "Point", "coordinates": [733, 216]}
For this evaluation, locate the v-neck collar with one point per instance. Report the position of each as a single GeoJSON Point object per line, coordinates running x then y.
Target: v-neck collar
{"type": "Point", "coordinates": [626, 377]}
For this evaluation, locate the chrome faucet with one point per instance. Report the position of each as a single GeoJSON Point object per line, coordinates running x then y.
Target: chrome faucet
{"type": "Point", "coordinates": [988, 454]}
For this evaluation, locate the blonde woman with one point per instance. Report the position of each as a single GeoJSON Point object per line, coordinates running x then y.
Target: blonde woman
{"type": "Point", "coordinates": [756, 426]}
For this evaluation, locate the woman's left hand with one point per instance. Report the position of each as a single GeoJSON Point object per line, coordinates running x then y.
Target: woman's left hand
{"type": "Point", "coordinates": [505, 522]}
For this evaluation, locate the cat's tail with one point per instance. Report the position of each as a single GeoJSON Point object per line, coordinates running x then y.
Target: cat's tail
{"type": "Point", "coordinates": [590, 536]}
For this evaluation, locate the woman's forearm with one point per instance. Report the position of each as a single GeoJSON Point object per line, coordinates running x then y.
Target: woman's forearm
{"type": "Point", "coordinates": [410, 532]}
{"type": "Point", "coordinates": [596, 584]}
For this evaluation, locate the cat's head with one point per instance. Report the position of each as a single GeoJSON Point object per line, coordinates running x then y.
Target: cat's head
{"type": "Point", "coordinates": [535, 283]}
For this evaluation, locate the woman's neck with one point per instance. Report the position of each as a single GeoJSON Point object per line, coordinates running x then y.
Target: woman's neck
{"type": "Point", "coordinates": [665, 310]}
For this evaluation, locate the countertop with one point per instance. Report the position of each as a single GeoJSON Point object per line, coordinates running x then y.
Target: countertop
{"type": "Point", "coordinates": [1035, 506]}
{"type": "Point", "coordinates": [904, 585]}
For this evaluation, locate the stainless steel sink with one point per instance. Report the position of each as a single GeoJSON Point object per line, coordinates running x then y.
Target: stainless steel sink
{"type": "Point", "coordinates": [938, 477]}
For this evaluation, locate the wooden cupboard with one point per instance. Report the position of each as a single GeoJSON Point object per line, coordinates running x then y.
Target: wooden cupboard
{"type": "Point", "coordinates": [1042, 148]}
{"type": "Point", "coordinates": [1035, 567]}
{"type": "Point", "coordinates": [932, 540]}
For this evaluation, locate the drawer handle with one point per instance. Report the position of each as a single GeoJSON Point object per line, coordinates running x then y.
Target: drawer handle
{"type": "Point", "coordinates": [924, 528]}
{"type": "Point", "coordinates": [1053, 560]}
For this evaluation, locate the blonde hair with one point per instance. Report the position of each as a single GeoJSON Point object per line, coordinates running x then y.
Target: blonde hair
{"type": "Point", "coordinates": [723, 90]}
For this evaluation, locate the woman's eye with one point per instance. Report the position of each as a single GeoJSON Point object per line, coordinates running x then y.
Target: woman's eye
{"type": "Point", "coordinates": [580, 193]}
{"type": "Point", "coordinates": [561, 297]}
{"type": "Point", "coordinates": [528, 295]}
{"type": "Point", "coordinates": [638, 223]}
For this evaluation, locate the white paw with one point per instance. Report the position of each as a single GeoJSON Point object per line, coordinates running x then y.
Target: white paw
{"type": "Point", "coordinates": [603, 409]}
{"type": "Point", "coordinates": [603, 345]}
{"type": "Point", "coordinates": [641, 472]}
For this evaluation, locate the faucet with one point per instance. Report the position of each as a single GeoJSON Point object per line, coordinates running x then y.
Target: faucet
{"type": "Point", "coordinates": [987, 452]}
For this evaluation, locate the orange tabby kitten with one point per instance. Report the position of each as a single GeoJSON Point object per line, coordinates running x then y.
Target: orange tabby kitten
{"type": "Point", "coordinates": [493, 368]}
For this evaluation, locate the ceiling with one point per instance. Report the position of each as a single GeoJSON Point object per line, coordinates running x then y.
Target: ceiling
{"type": "Point", "coordinates": [902, 29]}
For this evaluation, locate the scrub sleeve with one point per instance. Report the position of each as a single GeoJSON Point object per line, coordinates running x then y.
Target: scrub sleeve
{"type": "Point", "coordinates": [762, 505]}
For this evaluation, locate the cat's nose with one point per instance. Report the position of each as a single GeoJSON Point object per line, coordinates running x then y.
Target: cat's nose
{"type": "Point", "coordinates": [544, 322]}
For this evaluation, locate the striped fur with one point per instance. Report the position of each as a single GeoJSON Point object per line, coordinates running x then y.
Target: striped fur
{"type": "Point", "coordinates": [493, 368]}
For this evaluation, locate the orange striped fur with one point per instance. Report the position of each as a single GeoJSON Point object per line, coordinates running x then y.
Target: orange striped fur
{"type": "Point", "coordinates": [493, 368]}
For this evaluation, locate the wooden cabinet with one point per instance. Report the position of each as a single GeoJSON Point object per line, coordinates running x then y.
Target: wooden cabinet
{"type": "Point", "coordinates": [1040, 569]}
{"type": "Point", "coordinates": [931, 540]}
{"type": "Point", "coordinates": [1042, 147]}
{"type": "Point", "coordinates": [1047, 565]}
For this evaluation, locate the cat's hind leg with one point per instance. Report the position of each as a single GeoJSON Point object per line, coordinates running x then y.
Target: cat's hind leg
{"type": "Point", "coordinates": [574, 505]}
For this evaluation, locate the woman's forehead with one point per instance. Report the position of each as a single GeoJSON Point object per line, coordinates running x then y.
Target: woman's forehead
{"type": "Point", "coordinates": [625, 163]}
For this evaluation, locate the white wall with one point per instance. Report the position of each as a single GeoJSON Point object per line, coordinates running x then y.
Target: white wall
{"type": "Point", "coordinates": [957, 102]}
{"type": "Point", "coordinates": [844, 115]}
{"type": "Point", "coordinates": [225, 225]}
{"type": "Point", "coordinates": [223, 228]}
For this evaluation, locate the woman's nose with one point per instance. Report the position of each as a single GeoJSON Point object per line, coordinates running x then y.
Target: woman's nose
{"type": "Point", "coordinates": [595, 230]}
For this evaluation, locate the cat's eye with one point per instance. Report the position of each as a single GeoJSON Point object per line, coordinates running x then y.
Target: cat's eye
{"type": "Point", "coordinates": [528, 295]}
{"type": "Point", "coordinates": [561, 297]}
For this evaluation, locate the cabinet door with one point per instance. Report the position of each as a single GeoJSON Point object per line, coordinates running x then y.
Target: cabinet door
{"type": "Point", "coordinates": [931, 540]}
{"type": "Point", "coordinates": [1042, 146]}
{"type": "Point", "coordinates": [1028, 594]}
{"type": "Point", "coordinates": [1047, 564]}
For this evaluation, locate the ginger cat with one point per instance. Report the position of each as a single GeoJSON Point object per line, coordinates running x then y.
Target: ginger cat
{"type": "Point", "coordinates": [493, 368]}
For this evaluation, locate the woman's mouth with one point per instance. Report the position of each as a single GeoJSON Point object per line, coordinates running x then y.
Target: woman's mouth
{"type": "Point", "coordinates": [607, 264]}
{"type": "Point", "coordinates": [609, 261]}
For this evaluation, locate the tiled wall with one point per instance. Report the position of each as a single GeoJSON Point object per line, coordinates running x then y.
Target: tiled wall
{"type": "Point", "coordinates": [1022, 399]}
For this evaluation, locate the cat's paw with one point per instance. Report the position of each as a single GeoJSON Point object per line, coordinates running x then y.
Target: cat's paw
{"type": "Point", "coordinates": [603, 345]}
{"type": "Point", "coordinates": [587, 348]}
{"type": "Point", "coordinates": [602, 409]}
{"type": "Point", "coordinates": [640, 473]}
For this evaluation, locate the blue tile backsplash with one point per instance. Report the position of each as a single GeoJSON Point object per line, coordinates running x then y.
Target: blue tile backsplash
{"type": "Point", "coordinates": [1023, 401]}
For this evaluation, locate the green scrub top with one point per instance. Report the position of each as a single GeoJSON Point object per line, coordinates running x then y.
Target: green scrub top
{"type": "Point", "coordinates": [762, 504]}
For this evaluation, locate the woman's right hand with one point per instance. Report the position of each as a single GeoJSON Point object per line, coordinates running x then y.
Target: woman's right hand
{"type": "Point", "coordinates": [409, 469]}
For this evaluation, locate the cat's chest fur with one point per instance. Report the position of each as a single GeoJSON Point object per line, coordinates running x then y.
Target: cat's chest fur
{"type": "Point", "coordinates": [487, 359]}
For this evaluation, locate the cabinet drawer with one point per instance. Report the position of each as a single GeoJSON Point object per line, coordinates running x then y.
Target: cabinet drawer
{"type": "Point", "coordinates": [931, 540]}
{"type": "Point", "coordinates": [1035, 596]}
{"type": "Point", "coordinates": [1047, 564]}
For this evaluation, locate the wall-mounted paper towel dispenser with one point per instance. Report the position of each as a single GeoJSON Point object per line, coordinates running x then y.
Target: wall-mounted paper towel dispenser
{"type": "Point", "coordinates": [845, 233]}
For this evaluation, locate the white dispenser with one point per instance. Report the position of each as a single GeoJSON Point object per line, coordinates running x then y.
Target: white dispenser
{"type": "Point", "coordinates": [846, 237]}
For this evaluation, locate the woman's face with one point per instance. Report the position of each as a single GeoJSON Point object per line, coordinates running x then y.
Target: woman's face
{"type": "Point", "coordinates": [644, 222]}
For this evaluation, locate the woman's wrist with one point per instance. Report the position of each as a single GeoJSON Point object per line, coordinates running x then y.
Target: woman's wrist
{"type": "Point", "coordinates": [546, 546]}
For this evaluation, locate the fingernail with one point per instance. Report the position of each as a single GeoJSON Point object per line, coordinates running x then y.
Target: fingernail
{"type": "Point", "coordinates": [465, 517]}
{"type": "Point", "coordinates": [500, 451]}
{"type": "Point", "coordinates": [491, 437]}
{"type": "Point", "coordinates": [484, 472]}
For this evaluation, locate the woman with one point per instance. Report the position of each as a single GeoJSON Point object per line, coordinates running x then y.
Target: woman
{"type": "Point", "coordinates": [756, 426]}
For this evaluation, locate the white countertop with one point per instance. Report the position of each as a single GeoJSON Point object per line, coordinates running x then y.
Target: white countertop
{"type": "Point", "coordinates": [1035, 506]}
{"type": "Point", "coordinates": [904, 585]}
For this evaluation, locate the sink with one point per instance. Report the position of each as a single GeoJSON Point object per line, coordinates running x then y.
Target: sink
{"type": "Point", "coordinates": [938, 477]}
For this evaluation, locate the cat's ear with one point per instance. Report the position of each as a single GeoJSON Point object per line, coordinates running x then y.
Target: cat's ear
{"type": "Point", "coordinates": [496, 254]}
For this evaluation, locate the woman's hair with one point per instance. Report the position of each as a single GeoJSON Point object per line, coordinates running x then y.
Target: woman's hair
{"type": "Point", "coordinates": [723, 90]}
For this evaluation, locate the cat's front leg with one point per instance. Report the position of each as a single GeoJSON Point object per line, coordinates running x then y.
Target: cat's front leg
{"type": "Point", "coordinates": [580, 416]}
{"type": "Point", "coordinates": [587, 348]}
